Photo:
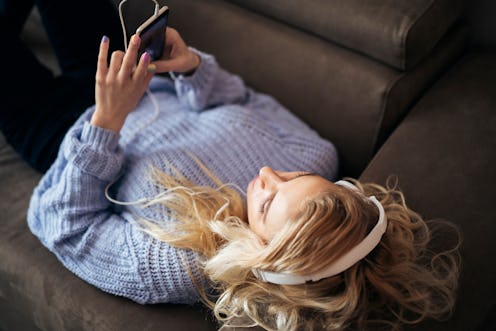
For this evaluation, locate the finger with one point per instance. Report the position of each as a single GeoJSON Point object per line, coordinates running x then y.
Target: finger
{"type": "Point", "coordinates": [172, 36]}
{"type": "Point", "coordinates": [173, 39]}
{"type": "Point", "coordinates": [174, 64]}
{"type": "Point", "coordinates": [149, 75]}
{"type": "Point", "coordinates": [129, 62]}
{"type": "Point", "coordinates": [102, 64]}
{"type": "Point", "coordinates": [144, 67]}
{"type": "Point", "coordinates": [115, 62]}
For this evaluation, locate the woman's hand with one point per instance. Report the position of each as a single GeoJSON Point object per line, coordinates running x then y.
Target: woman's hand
{"type": "Point", "coordinates": [177, 56]}
{"type": "Point", "coordinates": [120, 85]}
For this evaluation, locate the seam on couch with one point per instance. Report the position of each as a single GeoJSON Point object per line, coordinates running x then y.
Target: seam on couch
{"type": "Point", "coordinates": [414, 108]}
{"type": "Point", "coordinates": [408, 33]}
{"type": "Point", "coordinates": [456, 42]}
{"type": "Point", "coordinates": [384, 103]}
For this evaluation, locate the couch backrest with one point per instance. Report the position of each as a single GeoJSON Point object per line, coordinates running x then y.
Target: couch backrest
{"type": "Point", "coordinates": [348, 96]}
{"type": "Point", "coordinates": [399, 33]}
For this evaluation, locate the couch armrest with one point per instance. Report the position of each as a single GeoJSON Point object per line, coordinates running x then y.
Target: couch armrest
{"type": "Point", "coordinates": [444, 154]}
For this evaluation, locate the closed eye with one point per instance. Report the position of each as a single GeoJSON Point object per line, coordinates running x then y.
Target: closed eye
{"type": "Point", "coordinates": [265, 206]}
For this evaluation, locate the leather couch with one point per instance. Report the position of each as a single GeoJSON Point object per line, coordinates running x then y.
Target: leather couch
{"type": "Point", "coordinates": [404, 88]}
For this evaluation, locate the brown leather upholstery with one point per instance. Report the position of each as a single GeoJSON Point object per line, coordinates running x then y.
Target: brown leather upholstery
{"type": "Point", "coordinates": [399, 33]}
{"type": "Point", "coordinates": [443, 155]}
{"type": "Point", "coordinates": [352, 70]}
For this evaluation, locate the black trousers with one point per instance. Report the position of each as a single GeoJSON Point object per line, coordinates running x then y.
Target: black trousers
{"type": "Point", "coordinates": [37, 107]}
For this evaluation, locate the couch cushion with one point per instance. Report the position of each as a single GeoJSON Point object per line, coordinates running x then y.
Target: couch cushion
{"type": "Point", "coordinates": [444, 155]}
{"type": "Point", "coordinates": [397, 32]}
{"type": "Point", "coordinates": [348, 98]}
{"type": "Point", "coordinates": [38, 293]}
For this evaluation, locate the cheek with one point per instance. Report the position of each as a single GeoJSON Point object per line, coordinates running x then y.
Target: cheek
{"type": "Point", "coordinates": [260, 231]}
{"type": "Point", "coordinates": [254, 217]}
{"type": "Point", "coordinates": [251, 212]}
{"type": "Point", "coordinates": [254, 221]}
{"type": "Point", "coordinates": [251, 205]}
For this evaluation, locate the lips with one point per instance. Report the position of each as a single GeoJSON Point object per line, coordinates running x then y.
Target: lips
{"type": "Point", "coordinates": [253, 181]}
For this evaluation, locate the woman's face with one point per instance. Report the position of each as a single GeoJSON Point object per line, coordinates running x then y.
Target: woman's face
{"type": "Point", "coordinates": [273, 197]}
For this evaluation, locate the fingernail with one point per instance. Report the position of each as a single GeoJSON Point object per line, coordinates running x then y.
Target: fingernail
{"type": "Point", "coordinates": [136, 39]}
{"type": "Point", "coordinates": [145, 56]}
{"type": "Point", "coordinates": [104, 39]}
{"type": "Point", "coordinates": [151, 68]}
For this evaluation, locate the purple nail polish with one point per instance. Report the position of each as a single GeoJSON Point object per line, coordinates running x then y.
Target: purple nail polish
{"type": "Point", "coordinates": [145, 56]}
{"type": "Point", "coordinates": [104, 39]}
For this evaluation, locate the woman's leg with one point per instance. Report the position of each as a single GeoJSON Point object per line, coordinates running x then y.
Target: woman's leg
{"type": "Point", "coordinates": [38, 108]}
{"type": "Point", "coordinates": [75, 29]}
{"type": "Point", "coordinates": [22, 9]}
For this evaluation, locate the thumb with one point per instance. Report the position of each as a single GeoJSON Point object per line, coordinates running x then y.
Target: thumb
{"type": "Point", "coordinates": [174, 64]}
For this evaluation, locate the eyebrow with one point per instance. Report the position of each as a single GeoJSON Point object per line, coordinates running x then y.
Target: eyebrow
{"type": "Point", "coordinates": [266, 212]}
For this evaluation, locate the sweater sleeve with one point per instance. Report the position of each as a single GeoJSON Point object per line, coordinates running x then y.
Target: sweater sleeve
{"type": "Point", "coordinates": [209, 86]}
{"type": "Point", "coordinates": [71, 216]}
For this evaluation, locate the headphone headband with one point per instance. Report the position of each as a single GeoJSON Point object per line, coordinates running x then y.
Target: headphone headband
{"type": "Point", "coordinates": [356, 254]}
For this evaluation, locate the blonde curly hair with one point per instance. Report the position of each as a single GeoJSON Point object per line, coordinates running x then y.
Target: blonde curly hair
{"type": "Point", "coordinates": [402, 281]}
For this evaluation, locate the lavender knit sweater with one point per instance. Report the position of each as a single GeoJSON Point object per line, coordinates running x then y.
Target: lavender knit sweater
{"type": "Point", "coordinates": [232, 129]}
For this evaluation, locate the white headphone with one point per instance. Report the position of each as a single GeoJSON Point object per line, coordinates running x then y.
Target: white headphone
{"type": "Point", "coordinates": [356, 254]}
{"type": "Point", "coordinates": [153, 99]}
{"type": "Point", "coordinates": [156, 108]}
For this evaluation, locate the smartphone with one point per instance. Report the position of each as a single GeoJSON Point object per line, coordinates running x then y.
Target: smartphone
{"type": "Point", "coordinates": [152, 34]}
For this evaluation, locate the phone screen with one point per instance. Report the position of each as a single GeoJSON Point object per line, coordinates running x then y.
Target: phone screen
{"type": "Point", "coordinates": [153, 36]}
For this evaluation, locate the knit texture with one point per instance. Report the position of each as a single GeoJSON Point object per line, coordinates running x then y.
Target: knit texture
{"type": "Point", "coordinates": [211, 114]}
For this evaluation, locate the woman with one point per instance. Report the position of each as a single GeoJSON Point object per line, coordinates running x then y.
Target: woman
{"type": "Point", "coordinates": [149, 202]}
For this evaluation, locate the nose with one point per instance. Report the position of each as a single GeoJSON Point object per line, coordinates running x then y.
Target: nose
{"type": "Point", "coordinates": [269, 178]}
